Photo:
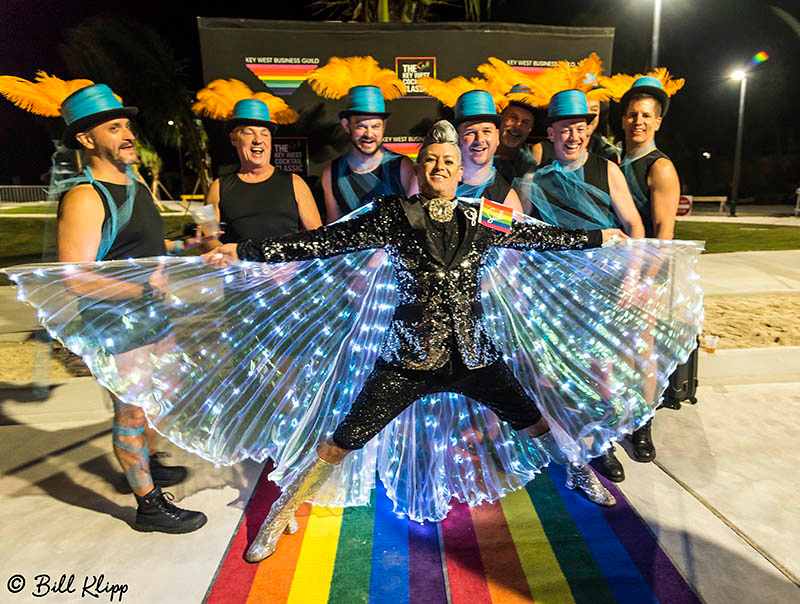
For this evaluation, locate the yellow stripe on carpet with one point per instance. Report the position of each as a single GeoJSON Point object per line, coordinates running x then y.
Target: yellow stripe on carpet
{"type": "Point", "coordinates": [547, 582]}
{"type": "Point", "coordinates": [312, 577]}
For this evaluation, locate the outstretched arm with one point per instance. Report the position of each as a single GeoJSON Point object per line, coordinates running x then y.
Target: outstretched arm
{"type": "Point", "coordinates": [532, 237]}
{"type": "Point", "coordinates": [364, 231]}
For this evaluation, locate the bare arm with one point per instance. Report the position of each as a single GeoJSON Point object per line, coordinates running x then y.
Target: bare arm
{"type": "Point", "coordinates": [407, 176]}
{"type": "Point", "coordinates": [306, 206]}
{"type": "Point", "coordinates": [212, 199]}
{"type": "Point", "coordinates": [512, 201]}
{"type": "Point", "coordinates": [79, 231]}
{"type": "Point", "coordinates": [665, 192]}
{"type": "Point", "coordinates": [332, 213]}
{"type": "Point", "coordinates": [536, 151]}
{"type": "Point", "coordinates": [622, 202]}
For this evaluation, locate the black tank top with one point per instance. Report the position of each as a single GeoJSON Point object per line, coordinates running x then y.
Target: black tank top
{"type": "Point", "coordinates": [143, 236]}
{"type": "Point", "coordinates": [548, 153]}
{"type": "Point", "coordinates": [641, 170]}
{"type": "Point", "coordinates": [498, 190]}
{"type": "Point", "coordinates": [257, 210]}
{"type": "Point", "coordinates": [388, 174]}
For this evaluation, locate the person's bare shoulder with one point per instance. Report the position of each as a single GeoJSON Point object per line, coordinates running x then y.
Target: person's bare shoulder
{"type": "Point", "coordinates": [81, 200]}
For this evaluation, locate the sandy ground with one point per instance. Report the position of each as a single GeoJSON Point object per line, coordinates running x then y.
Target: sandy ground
{"type": "Point", "coordinates": [738, 321]}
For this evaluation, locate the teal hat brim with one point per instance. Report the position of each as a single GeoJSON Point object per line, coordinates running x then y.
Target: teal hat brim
{"type": "Point", "coordinates": [652, 91]}
{"type": "Point", "coordinates": [231, 124]}
{"type": "Point", "coordinates": [90, 121]}
{"type": "Point", "coordinates": [495, 118]}
{"type": "Point", "coordinates": [589, 117]}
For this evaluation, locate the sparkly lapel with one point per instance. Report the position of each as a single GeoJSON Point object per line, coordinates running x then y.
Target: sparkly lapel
{"type": "Point", "coordinates": [469, 233]}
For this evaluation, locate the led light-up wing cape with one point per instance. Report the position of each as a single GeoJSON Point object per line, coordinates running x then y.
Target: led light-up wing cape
{"type": "Point", "coordinates": [259, 360]}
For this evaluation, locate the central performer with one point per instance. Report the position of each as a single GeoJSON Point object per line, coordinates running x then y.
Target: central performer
{"type": "Point", "coordinates": [437, 341]}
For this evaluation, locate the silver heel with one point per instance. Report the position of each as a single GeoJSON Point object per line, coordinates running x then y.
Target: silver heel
{"type": "Point", "coordinates": [292, 527]}
{"type": "Point", "coordinates": [583, 478]}
{"type": "Point", "coordinates": [280, 519]}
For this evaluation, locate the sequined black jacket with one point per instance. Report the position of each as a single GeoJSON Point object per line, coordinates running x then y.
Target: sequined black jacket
{"type": "Point", "coordinates": [439, 305]}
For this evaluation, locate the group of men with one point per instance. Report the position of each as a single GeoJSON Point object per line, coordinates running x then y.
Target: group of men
{"type": "Point", "coordinates": [109, 214]}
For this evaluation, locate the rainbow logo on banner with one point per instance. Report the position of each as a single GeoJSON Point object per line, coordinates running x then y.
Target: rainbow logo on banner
{"type": "Point", "coordinates": [410, 150]}
{"type": "Point", "coordinates": [282, 80]}
{"type": "Point", "coordinates": [759, 57]}
{"type": "Point", "coordinates": [496, 215]}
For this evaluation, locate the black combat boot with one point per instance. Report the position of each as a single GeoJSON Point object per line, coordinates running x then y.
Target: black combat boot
{"type": "Point", "coordinates": [642, 441]}
{"type": "Point", "coordinates": [157, 513]}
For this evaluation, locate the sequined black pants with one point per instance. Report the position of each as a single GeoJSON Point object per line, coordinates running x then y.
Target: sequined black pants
{"type": "Point", "coordinates": [389, 389]}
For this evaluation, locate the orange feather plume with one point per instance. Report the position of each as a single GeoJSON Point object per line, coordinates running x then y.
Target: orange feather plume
{"type": "Point", "coordinates": [340, 74]}
{"type": "Point", "coordinates": [44, 95]}
{"type": "Point", "coordinates": [620, 83]}
{"type": "Point", "coordinates": [501, 75]}
{"type": "Point", "coordinates": [448, 92]}
{"type": "Point", "coordinates": [218, 99]}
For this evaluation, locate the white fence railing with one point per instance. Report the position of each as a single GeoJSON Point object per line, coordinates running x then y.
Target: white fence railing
{"type": "Point", "coordinates": [22, 193]}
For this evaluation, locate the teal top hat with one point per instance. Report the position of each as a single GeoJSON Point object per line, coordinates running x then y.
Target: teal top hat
{"type": "Point", "coordinates": [568, 105]}
{"type": "Point", "coordinates": [651, 87]}
{"type": "Point", "coordinates": [521, 89]}
{"type": "Point", "coordinates": [365, 100]}
{"type": "Point", "coordinates": [251, 111]}
{"type": "Point", "coordinates": [88, 107]}
{"type": "Point", "coordinates": [475, 106]}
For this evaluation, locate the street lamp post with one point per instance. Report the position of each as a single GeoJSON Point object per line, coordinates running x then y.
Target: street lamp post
{"type": "Point", "coordinates": [656, 33]}
{"type": "Point", "coordinates": [741, 76]}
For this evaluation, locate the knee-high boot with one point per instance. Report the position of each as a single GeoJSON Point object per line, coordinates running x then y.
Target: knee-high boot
{"type": "Point", "coordinates": [308, 480]}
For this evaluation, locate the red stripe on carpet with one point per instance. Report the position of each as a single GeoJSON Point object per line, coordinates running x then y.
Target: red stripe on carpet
{"type": "Point", "coordinates": [464, 567]}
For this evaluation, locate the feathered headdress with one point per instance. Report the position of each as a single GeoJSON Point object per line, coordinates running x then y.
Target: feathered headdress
{"type": "Point", "coordinates": [335, 79]}
{"type": "Point", "coordinates": [621, 83]}
{"type": "Point", "coordinates": [44, 95]}
{"type": "Point", "coordinates": [584, 76]}
{"type": "Point", "coordinates": [516, 85]}
{"type": "Point", "coordinates": [448, 92]}
{"type": "Point", "coordinates": [218, 99]}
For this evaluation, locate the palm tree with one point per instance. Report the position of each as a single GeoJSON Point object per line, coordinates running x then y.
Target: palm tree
{"type": "Point", "coordinates": [381, 11]}
{"type": "Point", "coordinates": [140, 66]}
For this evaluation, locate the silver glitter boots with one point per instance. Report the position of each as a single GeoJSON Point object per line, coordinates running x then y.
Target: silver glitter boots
{"type": "Point", "coordinates": [280, 519]}
{"type": "Point", "coordinates": [577, 476]}
{"type": "Point", "coordinates": [583, 478]}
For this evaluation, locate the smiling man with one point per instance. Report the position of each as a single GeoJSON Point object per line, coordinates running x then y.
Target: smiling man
{"type": "Point", "coordinates": [259, 200]}
{"type": "Point", "coordinates": [367, 170]}
{"type": "Point", "coordinates": [513, 159]}
{"type": "Point", "coordinates": [476, 121]}
{"type": "Point", "coordinates": [109, 215]}
{"type": "Point", "coordinates": [578, 189]}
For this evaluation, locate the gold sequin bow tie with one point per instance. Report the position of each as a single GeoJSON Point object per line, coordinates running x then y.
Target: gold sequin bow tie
{"type": "Point", "coordinates": [440, 209]}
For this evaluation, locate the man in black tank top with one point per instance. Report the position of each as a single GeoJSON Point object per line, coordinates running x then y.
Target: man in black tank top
{"type": "Point", "coordinates": [654, 184]}
{"type": "Point", "coordinates": [259, 199]}
{"type": "Point", "coordinates": [99, 123]}
{"type": "Point", "coordinates": [606, 201]}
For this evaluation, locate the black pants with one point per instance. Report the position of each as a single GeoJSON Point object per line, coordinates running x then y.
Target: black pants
{"type": "Point", "coordinates": [389, 389]}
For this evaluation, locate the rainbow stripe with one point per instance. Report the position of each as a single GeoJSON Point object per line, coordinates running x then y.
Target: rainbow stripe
{"type": "Point", "coordinates": [496, 215]}
{"type": "Point", "coordinates": [281, 79]}
{"type": "Point", "coordinates": [542, 543]}
{"type": "Point", "coordinates": [529, 71]}
{"type": "Point", "coordinates": [410, 150]}
{"type": "Point", "coordinates": [759, 57]}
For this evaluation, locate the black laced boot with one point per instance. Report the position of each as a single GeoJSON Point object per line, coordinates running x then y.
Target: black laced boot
{"type": "Point", "coordinates": [642, 441]}
{"type": "Point", "coordinates": [157, 513]}
{"type": "Point", "coordinates": [609, 466]}
{"type": "Point", "coordinates": [165, 476]}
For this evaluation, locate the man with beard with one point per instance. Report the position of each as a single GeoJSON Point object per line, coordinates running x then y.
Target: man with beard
{"type": "Point", "coordinates": [259, 200]}
{"type": "Point", "coordinates": [107, 214]}
{"type": "Point", "coordinates": [578, 189]}
{"type": "Point", "coordinates": [476, 121]}
{"type": "Point", "coordinates": [367, 170]}
{"type": "Point", "coordinates": [438, 341]}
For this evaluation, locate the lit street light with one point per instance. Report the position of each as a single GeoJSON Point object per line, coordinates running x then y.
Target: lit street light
{"type": "Point", "coordinates": [741, 77]}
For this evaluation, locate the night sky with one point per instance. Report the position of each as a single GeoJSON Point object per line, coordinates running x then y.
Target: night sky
{"type": "Point", "coordinates": [701, 40]}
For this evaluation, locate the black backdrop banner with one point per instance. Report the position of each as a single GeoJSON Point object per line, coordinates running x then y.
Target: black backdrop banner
{"type": "Point", "coordinates": [278, 55]}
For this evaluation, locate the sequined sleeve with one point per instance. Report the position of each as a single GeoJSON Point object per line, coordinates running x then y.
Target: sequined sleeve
{"type": "Point", "coordinates": [366, 230]}
{"type": "Point", "coordinates": [535, 237]}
